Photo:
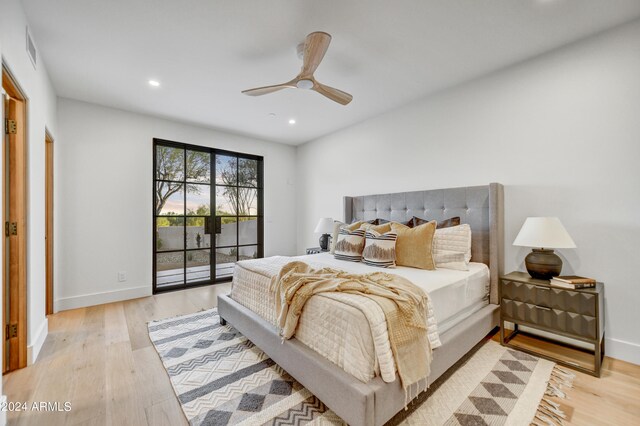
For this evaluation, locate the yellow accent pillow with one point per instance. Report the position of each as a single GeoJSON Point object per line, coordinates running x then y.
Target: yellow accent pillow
{"type": "Point", "coordinates": [380, 229]}
{"type": "Point", "coordinates": [414, 246]}
{"type": "Point", "coordinates": [353, 226]}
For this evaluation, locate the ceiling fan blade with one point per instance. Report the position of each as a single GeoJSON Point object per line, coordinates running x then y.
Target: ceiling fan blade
{"type": "Point", "coordinates": [332, 93]}
{"type": "Point", "coordinates": [315, 46]}
{"type": "Point", "coordinates": [258, 91]}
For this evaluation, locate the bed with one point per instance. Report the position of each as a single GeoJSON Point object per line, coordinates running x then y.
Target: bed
{"type": "Point", "coordinates": [341, 369]}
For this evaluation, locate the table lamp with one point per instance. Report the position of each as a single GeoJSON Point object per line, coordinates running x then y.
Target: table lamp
{"type": "Point", "coordinates": [543, 234]}
{"type": "Point", "coordinates": [324, 227]}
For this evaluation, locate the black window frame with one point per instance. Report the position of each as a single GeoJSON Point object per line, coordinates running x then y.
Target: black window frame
{"type": "Point", "coordinates": [213, 279]}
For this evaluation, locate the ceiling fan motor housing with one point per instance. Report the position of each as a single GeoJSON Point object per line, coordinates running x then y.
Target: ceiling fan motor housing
{"type": "Point", "coordinates": [304, 84]}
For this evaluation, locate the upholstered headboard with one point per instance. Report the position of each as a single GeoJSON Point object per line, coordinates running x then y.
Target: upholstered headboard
{"type": "Point", "coordinates": [479, 206]}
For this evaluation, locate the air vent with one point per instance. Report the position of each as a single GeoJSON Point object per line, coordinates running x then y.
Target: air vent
{"type": "Point", "coordinates": [31, 49]}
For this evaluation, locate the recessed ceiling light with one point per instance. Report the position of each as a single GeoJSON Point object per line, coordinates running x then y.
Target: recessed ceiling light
{"type": "Point", "coordinates": [292, 121]}
{"type": "Point", "coordinates": [154, 83]}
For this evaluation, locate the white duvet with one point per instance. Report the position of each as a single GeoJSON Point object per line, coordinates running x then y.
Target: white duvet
{"type": "Point", "coordinates": [350, 330]}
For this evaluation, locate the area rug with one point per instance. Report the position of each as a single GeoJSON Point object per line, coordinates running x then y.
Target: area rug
{"type": "Point", "coordinates": [221, 378]}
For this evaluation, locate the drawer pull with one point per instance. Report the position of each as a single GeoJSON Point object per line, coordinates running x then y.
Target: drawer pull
{"type": "Point", "coordinates": [543, 308]}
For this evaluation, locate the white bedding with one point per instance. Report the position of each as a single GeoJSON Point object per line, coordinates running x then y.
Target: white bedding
{"type": "Point", "coordinates": [452, 293]}
{"type": "Point", "coordinates": [348, 333]}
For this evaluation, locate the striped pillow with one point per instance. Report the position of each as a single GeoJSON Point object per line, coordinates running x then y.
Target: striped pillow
{"type": "Point", "coordinates": [349, 245]}
{"type": "Point", "coordinates": [380, 249]}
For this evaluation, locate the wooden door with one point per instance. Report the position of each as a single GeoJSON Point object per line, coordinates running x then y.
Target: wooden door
{"type": "Point", "coordinates": [15, 229]}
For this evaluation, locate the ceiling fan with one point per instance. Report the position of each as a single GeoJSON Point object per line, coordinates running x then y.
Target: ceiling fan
{"type": "Point", "coordinates": [313, 50]}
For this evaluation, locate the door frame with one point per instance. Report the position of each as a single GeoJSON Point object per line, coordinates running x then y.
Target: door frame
{"type": "Point", "coordinates": [49, 218]}
{"type": "Point", "coordinates": [17, 353]}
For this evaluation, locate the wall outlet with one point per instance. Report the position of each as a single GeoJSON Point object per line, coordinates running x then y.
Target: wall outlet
{"type": "Point", "coordinates": [122, 276]}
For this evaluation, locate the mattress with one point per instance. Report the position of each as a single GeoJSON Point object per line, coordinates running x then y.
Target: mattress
{"type": "Point", "coordinates": [350, 330]}
{"type": "Point", "coordinates": [454, 294]}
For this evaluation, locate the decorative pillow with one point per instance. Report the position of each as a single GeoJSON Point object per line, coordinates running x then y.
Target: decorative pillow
{"type": "Point", "coordinates": [381, 229]}
{"type": "Point", "coordinates": [448, 259]}
{"type": "Point", "coordinates": [452, 221]}
{"type": "Point", "coordinates": [337, 225]}
{"type": "Point", "coordinates": [349, 245]}
{"type": "Point", "coordinates": [452, 247]}
{"type": "Point", "coordinates": [380, 249]}
{"type": "Point", "coordinates": [354, 225]}
{"type": "Point", "coordinates": [414, 245]}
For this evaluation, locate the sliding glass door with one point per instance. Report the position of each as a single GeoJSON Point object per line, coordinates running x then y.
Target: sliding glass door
{"type": "Point", "coordinates": [207, 213]}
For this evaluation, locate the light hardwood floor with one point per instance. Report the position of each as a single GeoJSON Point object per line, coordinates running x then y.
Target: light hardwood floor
{"type": "Point", "coordinates": [102, 361]}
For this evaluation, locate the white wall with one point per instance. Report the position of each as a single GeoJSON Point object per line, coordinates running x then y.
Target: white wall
{"type": "Point", "coordinates": [41, 114]}
{"type": "Point", "coordinates": [561, 132]}
{"type": "Point", "coordinates": [103, 198]}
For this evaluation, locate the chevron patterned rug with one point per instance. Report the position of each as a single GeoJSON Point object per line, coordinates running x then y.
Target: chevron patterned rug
{"type": "Point", "coordinates": [221, 378]}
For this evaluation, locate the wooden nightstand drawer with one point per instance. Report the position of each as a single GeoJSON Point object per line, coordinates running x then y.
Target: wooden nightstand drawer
{"type": "Point", "coordinates": [556, 298]}
{"type": "Point", "coordinates": [569, 323]}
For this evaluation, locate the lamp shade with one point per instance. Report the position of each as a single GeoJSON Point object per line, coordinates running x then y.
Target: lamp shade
{"type": "Point", "coordinates": [324, 226]}
{"type": "Point", "coordinates": [543, 232]}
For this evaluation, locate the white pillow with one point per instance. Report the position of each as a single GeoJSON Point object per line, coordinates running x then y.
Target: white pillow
{"type": "Point", "coordinates": [334, 235]}
{"type": "Point", "coordinates": [452, 247]}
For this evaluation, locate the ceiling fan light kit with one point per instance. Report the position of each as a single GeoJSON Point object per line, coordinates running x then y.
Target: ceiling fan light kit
{"type": "Point", "coordinates": [313, 50]}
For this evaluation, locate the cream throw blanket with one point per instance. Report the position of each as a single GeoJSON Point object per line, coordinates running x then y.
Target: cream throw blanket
{"type": "Point", "coordinates": [404, 306]}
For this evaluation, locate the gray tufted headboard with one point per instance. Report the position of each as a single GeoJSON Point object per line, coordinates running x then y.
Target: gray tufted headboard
{"type": "Point", "coordinates": [479, 206]}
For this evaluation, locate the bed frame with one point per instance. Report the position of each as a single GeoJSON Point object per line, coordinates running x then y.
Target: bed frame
{"type": "Point", "coordinates": [375, 402]}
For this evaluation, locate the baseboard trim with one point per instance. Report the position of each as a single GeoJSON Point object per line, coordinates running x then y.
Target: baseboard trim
{"type": "Point", "coordinates": [84, 300]}
{"type": "Point", "coordinates": [625, 351]}
{"type": "Point", "coordinates": [33, 350]}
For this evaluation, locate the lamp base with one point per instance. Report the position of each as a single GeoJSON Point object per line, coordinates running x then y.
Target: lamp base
{"type": "Point", "coordinates": [324, 242]}
{"type": "Point", "coordinates": [543, 264]}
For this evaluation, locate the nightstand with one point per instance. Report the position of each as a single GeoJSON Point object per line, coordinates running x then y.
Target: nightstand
{"type": "Point", "coordinates": [577, 314]}
{"type": "Point", "coordinates": [316, 250]}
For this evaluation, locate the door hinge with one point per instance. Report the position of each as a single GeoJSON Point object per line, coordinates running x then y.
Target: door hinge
{"type": "Point", "coordinates": [11, 331]}
{"type": "Point", "coordinates": [10, 229]}
{"type": "Point", "coordinates": [11, 127]}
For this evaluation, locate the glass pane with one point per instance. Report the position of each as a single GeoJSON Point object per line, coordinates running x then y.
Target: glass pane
{"type": "Point", "coordinates": [248, 230]}
{"type": "Point", "coordinates": [228, 235]}
{"type": "Point", "coordinates": [198, 200]}
{"type": "Point", "coordinates": [249, 252]}
{"type": "Point", "coordinates": [198, 167]}
{"type": "Point", "coordinates": [247, 201]}
{"type": "Point", "coordinates": [247, 172]}
{"type": "Point", "coordinates": [196, 236]}
{"type": "Point", "coordinates": [226, 200]}
{"type": "Point", "coordinates": [169, 233]}
{"type": "Point", "coordinates": [169, 163]}
{"type": "Point", "coordinates": [169, 198]}
{"type": "Point", "coordinates": [170, 269]}
{"type": "Point", "coordinates": [198, 265]}
{"type": "Point", "coordinates": [225, 259]}
{"type": "Point", "coordinates": [226, 170]}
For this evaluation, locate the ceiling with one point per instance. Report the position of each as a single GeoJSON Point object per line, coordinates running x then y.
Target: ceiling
{"type": "Point", "coordinates": [204, 52]}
